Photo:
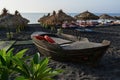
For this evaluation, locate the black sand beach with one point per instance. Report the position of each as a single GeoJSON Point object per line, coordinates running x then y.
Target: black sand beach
{"type": "Point", "coordinates": [109, 67]}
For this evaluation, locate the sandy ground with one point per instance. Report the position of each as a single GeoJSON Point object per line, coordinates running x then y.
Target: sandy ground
{"type": "Point", "coordinates": [109, 68]}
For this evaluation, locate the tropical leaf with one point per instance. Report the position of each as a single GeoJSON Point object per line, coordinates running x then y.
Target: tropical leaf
{"type": "Point", "coordinates": [21, 66]}
{"type": "Point", "coordinates": [3, 62]}
{"type": "Point", "coordinates": [47, 78]}
{"type": "Point", "coordinates": [8, 61]}
{"type": "Point", "coordinates": [43, 66]}
{"type": "Point", "coordinates": [21, 53]}
{"type": "Point", "coordinates": [32, 67]}
{"type": "Point", "coordinates": [26, 69]}
{"type": "Point", "coordinates": [10, 52]}
{"type": "Point", "coordinates": [36, 69]}
{"type": "Point", "coordinates": [36, 58]}
{"type": "Point", "coordinates": [55, 72]}
{"type": "Point", "coordinates": [3, 53]}
{"type": "Point", "coordinates": [21, 78]}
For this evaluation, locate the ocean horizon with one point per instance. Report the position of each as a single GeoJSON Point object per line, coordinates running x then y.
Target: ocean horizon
{"type": "Point", "coordinates": [33, 17]}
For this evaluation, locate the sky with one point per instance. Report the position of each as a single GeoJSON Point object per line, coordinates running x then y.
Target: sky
{"type": "Point", "coordinates": [69, 6]}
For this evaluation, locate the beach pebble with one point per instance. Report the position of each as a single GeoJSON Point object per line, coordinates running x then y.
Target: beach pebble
{"type": "Point", "coordinates": [108, 69]}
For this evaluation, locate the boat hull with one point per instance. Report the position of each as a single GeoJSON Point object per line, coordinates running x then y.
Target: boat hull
{"type": "Point", "coordinates": [87, 56]}
{"type": "Point", "coordinates": [90, 55]}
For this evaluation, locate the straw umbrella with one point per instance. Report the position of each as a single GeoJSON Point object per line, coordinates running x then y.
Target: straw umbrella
{"type": "Point", "coordinates": [7, 23]}
{"type": "Point", "coordinates": [20, 21]}
{"type": "Point", "coordinates": [116, 17]}
{"type": "Point", "coordinates": [51, 20]}
{"type": "Point", "coordinates": [59, 18]}
{"type": "Point", "coordinates": [105, 17]}
{"type": "Point", "coordinates": [13, 20]}
{"type": "Point", "coordinates": [4, 12]}
{"type": "Point", "coordinates": [86, 16]}
{"type": "Point", "coordinates": [116, 20]}
{"type": "Point", "coordinates": [42, 19]}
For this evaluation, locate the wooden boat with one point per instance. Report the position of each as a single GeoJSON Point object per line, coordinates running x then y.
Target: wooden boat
{"type": "Point", "coordinates": [71, 49]}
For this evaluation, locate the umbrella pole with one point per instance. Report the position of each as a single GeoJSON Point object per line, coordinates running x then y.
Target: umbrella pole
{"type": "Point", "coordinates": [85, 23]}
{"type": "Point", "coordinates": [52, 28]}
{"type": "Point", "coordinates": [8, 35]}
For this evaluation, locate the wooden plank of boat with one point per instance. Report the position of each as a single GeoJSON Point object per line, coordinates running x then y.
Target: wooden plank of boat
{"type": "Point", "coordinates": [81, 45]}
{"type": "Point", "coordinates": [41, 33]}
{"type": "Point", "coordinates": [61, 41]}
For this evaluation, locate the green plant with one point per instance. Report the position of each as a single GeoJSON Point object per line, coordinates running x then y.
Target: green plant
{"type": "Point", "coordinates": [9, 35]}
{"type": "Point", "coordinates": [18, 29]}
{"type": "Point", "coordinates": [46, 26]}
{"type": "Point", "coordinates": [60, 30]}
{"type": "Point", "coordinates": [42, 25]}
{"type": "Point", "coordinates": [6, 63]}
{"type": "Point", "coordinates": [52, 28]}
{"type": "Point", "coordinates": [36, 69]}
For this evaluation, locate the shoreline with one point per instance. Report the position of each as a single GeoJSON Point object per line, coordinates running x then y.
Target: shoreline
{"type": "Point", "coordinates": [35, 16]}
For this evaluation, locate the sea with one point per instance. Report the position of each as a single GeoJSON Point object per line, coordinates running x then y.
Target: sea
{"type": "Point", "coordinates": [33, 17]}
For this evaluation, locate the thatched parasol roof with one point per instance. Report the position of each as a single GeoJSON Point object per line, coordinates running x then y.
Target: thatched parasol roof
{"type": "Point", "coordinates": [7, 21]}
{"type": "Point", "coordinates": [48, 19]}
{"type": "Point", "coordinates": [86, 16]}
{"type": "Point", "coordinates": [20, 20]}
{"type": "Point", "coordinates": [4, 12]}
{"type": "Point", "coordinates": [116, 17]}
{"type": "Point", "coordinates": [51, 20]}
{"type": "Point", "coordinates": [58, 18]}
{"type": "Point", "coordinates": [42, 19]}
{"type": "Point", "coordinates": [61, 16]}
{"type": "Point", "coordinates": [105, 16]}
{"type": "Point", "coordinates": [13, 20]}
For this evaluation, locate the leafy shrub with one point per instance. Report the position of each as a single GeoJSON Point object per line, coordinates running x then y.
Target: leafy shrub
{"type": "Point", "coordinates": [36, 69]}
{"type": "Point", "coordinates": [6, 63]}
